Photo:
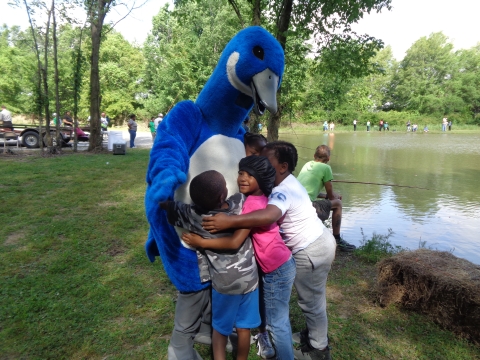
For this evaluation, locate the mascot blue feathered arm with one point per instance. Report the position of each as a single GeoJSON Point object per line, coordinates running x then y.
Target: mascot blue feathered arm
{"type": "Point", "coordinates": [207, 135]}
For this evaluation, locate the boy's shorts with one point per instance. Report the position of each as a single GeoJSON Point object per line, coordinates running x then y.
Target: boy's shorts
{"type": "Point", "coordinates": [240, 311]}
{"type": "Point", "coordinates": [322, 207]}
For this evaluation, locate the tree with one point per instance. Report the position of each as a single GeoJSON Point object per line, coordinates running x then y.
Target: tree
{"type": "Point", "coordinates": [422, 76]}
{"type": "Point", "coordinates": [96, 11]}
{"type": "Point", "coordinates": [369, 93]}
{"type": "Point", "coordinates": [465, 81]}
{"type": "Point", "coordinates": [328, 23]}
{"type": "Point", "coordinates": [183, 50]}
{"type": "Point", "coordinates": [18, 69]}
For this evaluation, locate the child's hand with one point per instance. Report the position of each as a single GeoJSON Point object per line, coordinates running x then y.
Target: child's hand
{"type": "Point", "coordinates": [164, 205]}
{"type": "Point", "coordinates": [216, 223]}
{"type": "Point", "coordinates": [192, 239]}
{"type": "Point", "coordinates": [337, 196]}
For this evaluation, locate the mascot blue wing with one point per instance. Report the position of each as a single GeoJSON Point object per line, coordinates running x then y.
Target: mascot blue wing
{"type": "Point", "coordinates": [167, 170]}
{"type": "Point", "coordinates": [170, 154]}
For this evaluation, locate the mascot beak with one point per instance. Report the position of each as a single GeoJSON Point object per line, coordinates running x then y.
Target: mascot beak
{"type": "Point", "coordinates": [264, 87]}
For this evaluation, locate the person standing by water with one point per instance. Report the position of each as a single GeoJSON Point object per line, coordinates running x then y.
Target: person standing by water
{"type": "Point", "coordinates": [450, 125]}
{"type": "Point", "coordinates": [408, 125]}
{"type": "Point", "coordinates": [380, 125]}
{"type": "Point", "coordinates": [444, 124]}
{"type": "Point", "coordinates": [355, 125]}
{"type": "Point", "coordinates": [132, 129]}
{"type": "Point", "coordinates": [368, 125]}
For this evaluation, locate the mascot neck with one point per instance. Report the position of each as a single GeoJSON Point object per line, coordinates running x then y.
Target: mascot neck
{"type": "Point", "coordinates": [223, 107]}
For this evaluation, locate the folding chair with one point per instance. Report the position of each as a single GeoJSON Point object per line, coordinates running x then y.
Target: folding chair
{"type": "Point", "coordinates": [9, 135]}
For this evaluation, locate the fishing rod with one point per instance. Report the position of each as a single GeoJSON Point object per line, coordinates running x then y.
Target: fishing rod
{"type": "Point", "coordinates": [362, 182]}
{"type": "Point", "coordinates": [383, 184]}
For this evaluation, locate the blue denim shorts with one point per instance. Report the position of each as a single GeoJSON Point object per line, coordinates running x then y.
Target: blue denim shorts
{"type": "Point", "coordinates": [229, 311]}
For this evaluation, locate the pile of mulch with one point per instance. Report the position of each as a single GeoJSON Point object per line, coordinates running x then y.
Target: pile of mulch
{"type": "Point", "coordinates": [437, 284]}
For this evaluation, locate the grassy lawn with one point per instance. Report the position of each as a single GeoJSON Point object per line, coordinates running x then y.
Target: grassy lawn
{"type": "Point", "coordinates": [76, 284]}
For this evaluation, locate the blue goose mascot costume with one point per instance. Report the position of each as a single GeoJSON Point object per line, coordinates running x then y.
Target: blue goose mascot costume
{"type": "Point", "coordinates": [199, 136]}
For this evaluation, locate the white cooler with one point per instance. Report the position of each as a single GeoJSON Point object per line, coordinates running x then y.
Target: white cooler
{"type": "Point", "coordinates": [114, 137]}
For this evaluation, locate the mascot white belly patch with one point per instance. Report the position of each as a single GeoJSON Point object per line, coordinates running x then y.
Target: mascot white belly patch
{"type": "Point", "coordinates": [220, 153]}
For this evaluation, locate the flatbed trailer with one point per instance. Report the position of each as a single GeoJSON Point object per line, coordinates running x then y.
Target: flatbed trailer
{"type": "Point", "coordinates": [31, 134]}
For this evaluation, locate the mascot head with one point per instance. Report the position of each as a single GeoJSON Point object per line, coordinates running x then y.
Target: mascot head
{"type": "Point", "coordinates": [248, 75]}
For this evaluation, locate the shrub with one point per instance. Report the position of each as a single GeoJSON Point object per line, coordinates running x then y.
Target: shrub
{"type": "Point", "coordinates": [377, 248]}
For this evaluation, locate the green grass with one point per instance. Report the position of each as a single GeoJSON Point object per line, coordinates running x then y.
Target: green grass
{"type": "Point", "coordinates": [76, 284]}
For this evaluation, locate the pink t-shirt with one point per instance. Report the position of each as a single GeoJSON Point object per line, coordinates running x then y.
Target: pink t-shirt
{"type": "Point", "coordinates": [270, 250]}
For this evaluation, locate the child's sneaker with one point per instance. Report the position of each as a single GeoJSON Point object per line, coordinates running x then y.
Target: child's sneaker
{"type": "Point", "coordinates": [301, 337]}
{"type": "Point", "coordinates": [309, 353]}
{"type": "Point", "coordinates": [265, 347]}
{"type": "Point", "coordinates": [342, 245]}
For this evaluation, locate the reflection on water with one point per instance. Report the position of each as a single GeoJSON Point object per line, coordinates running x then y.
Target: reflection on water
{"type": "Point", "coordinates": [446, 216]}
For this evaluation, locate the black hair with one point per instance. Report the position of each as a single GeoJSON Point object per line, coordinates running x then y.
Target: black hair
{"type": "Point", "coordinates": [322, 153]}
{"type": "Point", "coordinates": [260, 168]}
{"type": "Point", "coordinates": [251, 139]}
{"type": "Point", "coordinates": [206, 189]}
{"type": "Point", "coordinates": [284, 152]}
{"type": "Point", "coordinates": [132, 116]}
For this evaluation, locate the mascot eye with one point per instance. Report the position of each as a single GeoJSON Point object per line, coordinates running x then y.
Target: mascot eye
{"type": "Point", "coordinates": [258, 52]}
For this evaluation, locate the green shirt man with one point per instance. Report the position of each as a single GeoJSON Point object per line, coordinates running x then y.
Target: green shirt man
{"type": "Point", "coordinates": [314, 176]}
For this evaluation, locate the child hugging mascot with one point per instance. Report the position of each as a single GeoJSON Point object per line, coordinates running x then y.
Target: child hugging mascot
{"type": "Point", "coordinates": [199, 136]}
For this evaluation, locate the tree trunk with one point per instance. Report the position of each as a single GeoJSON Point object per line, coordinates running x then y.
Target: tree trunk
{"type": "Point", "coordinates": [257, 11]}
{"type": "Point", "coordinates": [45, 90]}
{"type": "Point", "coordinates": [237, 11]}
{"type": "Point", "coordinates": [273, 123]}
{"type": "Point", "coordinates": [77, 83]}
{"type": "Point", "coordinates": [254, 121]}
{"type": "Point", "coordinates": [95, 131]}
{"type": "Point", "coordinates": [283, 24]}
{"type": "Point", "coordinates": [40, 103]}
{"type": "Point", "coordinates": [98, 10]}
{"type": "Point", "coordinates": [56, 80]}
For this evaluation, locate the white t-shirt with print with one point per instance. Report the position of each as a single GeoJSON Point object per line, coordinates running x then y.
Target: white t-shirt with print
{"type": "Point", "coordinates": [299, 224]}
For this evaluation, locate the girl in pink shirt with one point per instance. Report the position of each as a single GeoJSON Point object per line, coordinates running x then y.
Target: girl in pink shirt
{"type": "Point", "coordinates": [256, 178]}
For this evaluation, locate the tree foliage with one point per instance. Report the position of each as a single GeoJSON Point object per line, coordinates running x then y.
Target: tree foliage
{"type": "Point", "coordinates": [331, 73]}
{"type": "Point", "coordinates": [183, 49]}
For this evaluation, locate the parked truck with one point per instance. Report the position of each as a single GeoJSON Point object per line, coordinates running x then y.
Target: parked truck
{"type": "Point", "coordinates": [30, 135]}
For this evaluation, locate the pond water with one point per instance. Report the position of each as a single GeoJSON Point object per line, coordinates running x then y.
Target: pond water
{"type": "Point", "coordinates": [445, 215]}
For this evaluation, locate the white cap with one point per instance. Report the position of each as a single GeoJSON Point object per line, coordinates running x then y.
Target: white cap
{"type": "Point", "coordinates": [160, 115]}
{"type": "Point", "coordinates": [54, 114]}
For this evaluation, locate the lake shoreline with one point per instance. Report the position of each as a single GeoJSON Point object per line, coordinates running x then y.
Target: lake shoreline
{"type": "Point", "coordinates": [309, 129]}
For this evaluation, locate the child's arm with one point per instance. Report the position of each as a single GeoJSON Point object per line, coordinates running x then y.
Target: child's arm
{"type": "Point", "coordinates": [225, 243]}
{"type": "Point", "coordinates": [220, 222]}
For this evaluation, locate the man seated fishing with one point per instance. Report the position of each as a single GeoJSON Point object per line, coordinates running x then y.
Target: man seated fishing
{"type": "Point", "coordinates": [316, 175]}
